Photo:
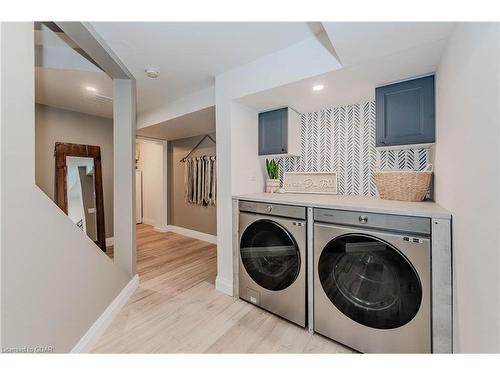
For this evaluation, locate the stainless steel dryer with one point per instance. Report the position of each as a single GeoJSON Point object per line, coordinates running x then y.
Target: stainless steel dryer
{"type": "Point", "coordinates": [272, 259]}
{"type": "Point", "coordinates": [372, 281]}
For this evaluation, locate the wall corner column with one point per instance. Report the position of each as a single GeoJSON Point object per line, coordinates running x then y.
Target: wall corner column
{"type": "Point", "coordinates": [165, 185]}
{"type": "Point", "coordinates": [124, 126]}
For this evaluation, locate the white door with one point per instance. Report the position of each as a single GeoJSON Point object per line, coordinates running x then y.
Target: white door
{"type": "Point", "coordinates": [138, 196]}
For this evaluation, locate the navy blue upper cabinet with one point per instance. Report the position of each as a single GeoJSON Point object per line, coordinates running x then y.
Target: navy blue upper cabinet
{"type": "Point", "coordinates": [405, 112]}
{"type": "Point", "coordinates": [279, 132]}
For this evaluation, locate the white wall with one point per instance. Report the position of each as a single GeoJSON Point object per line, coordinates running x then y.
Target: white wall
{"type": "Point", "coordinates": [246, 166]}
{"type": "Point", "coordinates": [1, 190]}
{"type": "Point", "coordinates": [151, 165]}
{"type": "Point", "coordinates": [238, 165]}
{"type": "Point", "coordinates": [55, 281]}
{"type": "Point", "coordinates": [124, 205]}
{"type": "Point", "coordinates": [467, 166]}
{"type": "Point", "coordinates": [191, 103]}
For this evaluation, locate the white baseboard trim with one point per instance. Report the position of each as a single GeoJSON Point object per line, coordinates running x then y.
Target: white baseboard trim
{"type": "Point", "coordinates": [224, 285]}
{"type": "Point", "coordinates": [161, 230]}
{"type": "Point", "coordinates": [192, 233]}
{"type": "Point", "coordinates": [90, 338]}
{"type": "Point", "coordinates": [110, 241]}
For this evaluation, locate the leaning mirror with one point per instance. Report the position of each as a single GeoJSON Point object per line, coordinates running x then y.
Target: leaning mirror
{"type": "Point", "coordinates": [79, 188]}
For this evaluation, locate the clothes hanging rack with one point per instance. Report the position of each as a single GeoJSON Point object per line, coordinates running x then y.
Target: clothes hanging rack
{"type": "Point", "coordinates": [197, 145]}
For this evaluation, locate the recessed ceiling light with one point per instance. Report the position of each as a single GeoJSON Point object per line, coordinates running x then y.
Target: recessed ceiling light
{"type": "Point", "coordinates": [152, 73]}
{"type": "Point", "coordinates": [91, 89]}
{"type": "Point", "coordinates": [318, 87]}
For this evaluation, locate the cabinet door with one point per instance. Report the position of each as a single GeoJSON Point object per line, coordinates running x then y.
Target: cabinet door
{"type": "Point", "coordinates": [405, 112]}
{"type": "Point", "coordinates": [273, 133]}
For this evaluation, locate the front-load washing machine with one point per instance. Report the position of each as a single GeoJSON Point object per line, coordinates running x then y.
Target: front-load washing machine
{"type": "Point", "coordinates": [272, 258]}
{"type": "Point", "coordinates": [372, 287]}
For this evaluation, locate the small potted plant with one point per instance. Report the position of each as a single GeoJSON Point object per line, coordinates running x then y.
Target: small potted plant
{"type": "Point", "coordinates": [273, 182]}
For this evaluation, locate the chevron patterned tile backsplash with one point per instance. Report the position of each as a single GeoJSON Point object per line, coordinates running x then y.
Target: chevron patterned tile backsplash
{"type": "Point", "coordinates": [342, 139]}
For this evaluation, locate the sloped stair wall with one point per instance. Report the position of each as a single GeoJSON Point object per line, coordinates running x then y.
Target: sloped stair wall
{"type": "Point", "coordinates": [55, 282]}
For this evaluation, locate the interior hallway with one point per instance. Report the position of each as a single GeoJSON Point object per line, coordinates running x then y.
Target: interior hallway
{"type": "Point", "coordinates": [177, 309]}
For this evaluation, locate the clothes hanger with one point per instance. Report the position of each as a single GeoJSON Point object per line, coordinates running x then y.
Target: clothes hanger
{"type": "Point", "coordinates": [197, 145]}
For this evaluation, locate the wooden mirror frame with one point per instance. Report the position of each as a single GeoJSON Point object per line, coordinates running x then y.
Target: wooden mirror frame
{"type": "Point", "coordinates": [70, 149]}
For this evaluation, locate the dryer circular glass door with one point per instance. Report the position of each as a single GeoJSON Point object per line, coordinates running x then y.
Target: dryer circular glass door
{"type": "Point", "coordinates": [270, 255]}
{"type": "Point", "coordinates": [370, 281]}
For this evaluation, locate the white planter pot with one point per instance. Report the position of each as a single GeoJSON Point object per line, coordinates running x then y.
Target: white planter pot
{"type": "Point", "coordinates": [272, 185]}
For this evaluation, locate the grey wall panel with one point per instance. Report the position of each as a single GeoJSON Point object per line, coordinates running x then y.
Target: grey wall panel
{"type": "Point", "coordinates": [180, 213]}
{"type": "Point", "coordinates": [58, 125]}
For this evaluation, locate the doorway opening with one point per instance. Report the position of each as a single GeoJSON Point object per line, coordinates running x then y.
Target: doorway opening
{"type": "Point", "coordinates": [176, 191]}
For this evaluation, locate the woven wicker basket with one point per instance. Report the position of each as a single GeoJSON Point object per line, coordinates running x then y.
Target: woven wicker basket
{"type": "Point", "coordinates": [409, 186]}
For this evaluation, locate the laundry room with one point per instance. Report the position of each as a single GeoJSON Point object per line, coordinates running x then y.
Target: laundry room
{"type": "Point", "coordinates": [340, 223]}
{"type": "Point", "coordinates": [252, 187]}
{"type": "Point", "coordinates": [340, 241]}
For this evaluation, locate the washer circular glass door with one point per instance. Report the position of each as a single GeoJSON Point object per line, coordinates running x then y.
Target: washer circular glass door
{"type": "Point", "coordinates": [370, 281]}
{"type": "Point", "coordinates": [270, 255]}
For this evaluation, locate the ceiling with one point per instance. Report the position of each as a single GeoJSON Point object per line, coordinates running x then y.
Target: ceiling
{"type": "Point", "coordinates": [68, 89]}
{"type": "Point", "coordinates": [65, 79]}
{"type": "Point", "coordinates": [188, 55]}
{"type": "Point", "coordinates": [355, 42]}
{"type": "Point", "coordinates": [353, 84]}
{"type": "Point", "coordinates": [190, 125]}
{"type": "Point", "coordinates": [372, 54]}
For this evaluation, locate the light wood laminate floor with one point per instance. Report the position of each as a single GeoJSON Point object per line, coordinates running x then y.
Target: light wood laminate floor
{"type": "Point", "coordinates": [176, 308]}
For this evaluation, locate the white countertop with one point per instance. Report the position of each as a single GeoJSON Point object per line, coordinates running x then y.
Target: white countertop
{"type": "Point", "coordinates": [353, 203]}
